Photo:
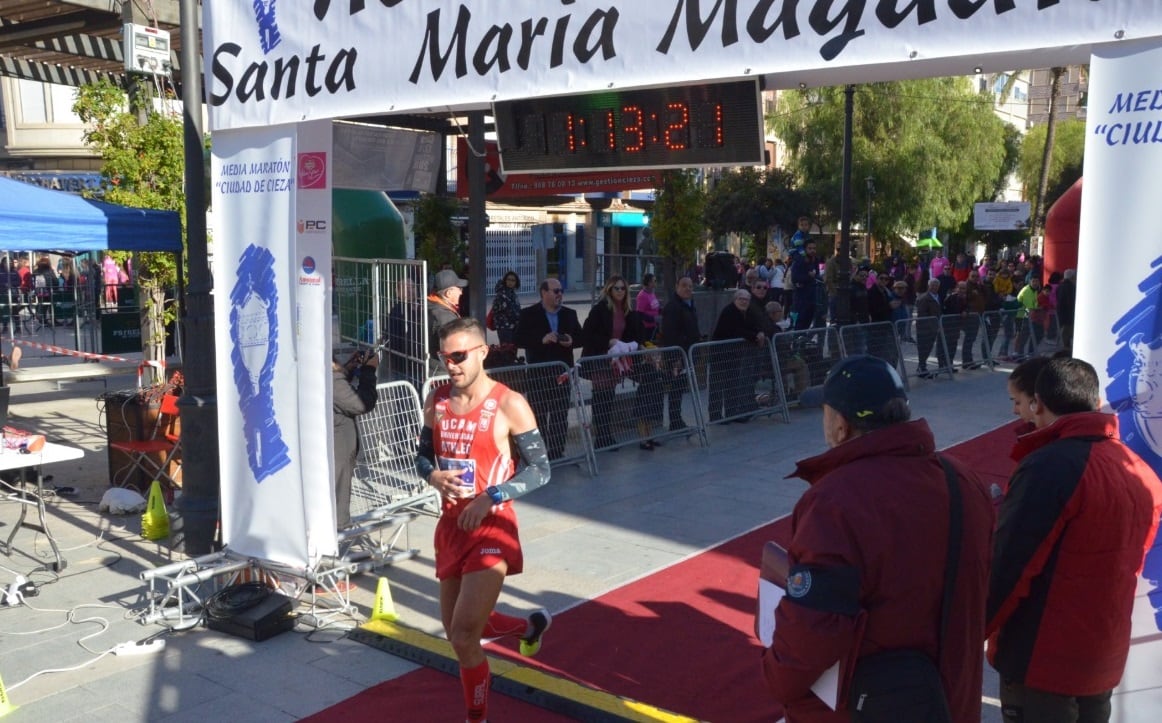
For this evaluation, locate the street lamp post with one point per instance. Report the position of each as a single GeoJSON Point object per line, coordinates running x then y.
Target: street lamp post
{"type": "Point", "coordinates": [871, 191]}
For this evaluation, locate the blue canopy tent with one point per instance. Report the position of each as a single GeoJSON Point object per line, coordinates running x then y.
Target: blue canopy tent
{"type": "Point", "coordinates": [34, 218]}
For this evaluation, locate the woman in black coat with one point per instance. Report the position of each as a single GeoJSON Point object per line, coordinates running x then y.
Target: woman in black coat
{"type": "Point", "coordinates": [610, 320]}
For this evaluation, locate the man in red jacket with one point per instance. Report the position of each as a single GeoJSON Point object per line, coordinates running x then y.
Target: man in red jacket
{"type": "Point", "coordinates": [868, 548]}
{"type": "Point", "coordinates": [1080, 513]}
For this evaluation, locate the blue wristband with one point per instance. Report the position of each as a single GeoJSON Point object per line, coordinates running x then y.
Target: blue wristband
{"type": "Point", "coordinates": [494, 493]}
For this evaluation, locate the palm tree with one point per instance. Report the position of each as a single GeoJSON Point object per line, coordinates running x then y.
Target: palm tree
{"type": "Point", "coordinates": [1047, 154]}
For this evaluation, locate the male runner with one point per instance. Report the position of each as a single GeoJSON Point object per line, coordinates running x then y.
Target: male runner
{"type": "Point", "coordinates": [471, 427]}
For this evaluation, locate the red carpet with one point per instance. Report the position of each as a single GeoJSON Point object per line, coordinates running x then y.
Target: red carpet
{"type": "Point", "coordinates": [679, 639]}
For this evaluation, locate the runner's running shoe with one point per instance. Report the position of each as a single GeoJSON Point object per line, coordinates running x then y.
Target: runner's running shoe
{"type": "Point", "coordinates": [540, 622]}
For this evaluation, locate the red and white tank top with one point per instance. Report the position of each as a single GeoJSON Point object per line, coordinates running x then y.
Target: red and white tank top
{"type": "Point", "coordinates": [466, 441]}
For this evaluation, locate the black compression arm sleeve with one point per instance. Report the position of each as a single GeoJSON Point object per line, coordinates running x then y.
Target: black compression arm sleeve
{"type": "Point", "coordinates": [425, 454]}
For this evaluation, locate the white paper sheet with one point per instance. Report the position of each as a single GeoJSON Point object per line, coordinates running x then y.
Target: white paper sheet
{"type": "Point", "coordinates": [827, 687]}
{"type": "Point", "coordinates": [769, 596]}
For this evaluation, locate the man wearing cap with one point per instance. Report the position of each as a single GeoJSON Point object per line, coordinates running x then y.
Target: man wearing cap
{"type": "Point", "coordinates": [869, 544]}
{"type": "Point", "coordinates": [443, 306]}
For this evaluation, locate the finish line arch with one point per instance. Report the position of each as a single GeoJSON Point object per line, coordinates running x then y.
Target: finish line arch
{"type": "Point", "coordinates": [276, 76]}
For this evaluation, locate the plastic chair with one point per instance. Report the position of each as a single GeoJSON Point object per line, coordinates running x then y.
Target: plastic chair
{"type": "Point", "coordinates": [165, 440]}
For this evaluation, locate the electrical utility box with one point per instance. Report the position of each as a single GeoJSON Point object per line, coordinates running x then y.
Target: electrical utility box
{"type": "Point", "coordinates": [146, 49]}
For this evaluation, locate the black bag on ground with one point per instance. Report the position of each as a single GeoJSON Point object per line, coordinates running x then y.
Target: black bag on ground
{"type": "Point", "coordinates": [897, 686]}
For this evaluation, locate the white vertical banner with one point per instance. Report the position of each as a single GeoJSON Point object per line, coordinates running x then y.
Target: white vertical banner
{"type": "Point", "coordinates": [1119, 286]}
{"type": "Point", "coordinates": [264, 511]}
{"type": "Point", "coordinates": [312, 273]}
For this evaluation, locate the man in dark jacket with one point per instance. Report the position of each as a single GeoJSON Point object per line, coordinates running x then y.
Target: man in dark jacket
{"type": "Point", "coordinates": [348, 403]}
{"type": "Point", "coordinates": [549, 332]}
{"type": "Point", "coordinates": [928, 312]}
{"type": "Point", "coordinates": [1066, 307]}
{"type": "Point", "coordinates": [1080, 512]}
{"type": "Point", "coordinates": [731, 388]}
{"type": "Point", "coordinates": [869, 548]}
{"type": "Point", "coordinates": [679, 328]}
{"type": "Point", "coordinates": [443, 306]}
{"type": "Point", "coordinates": [804, 280]}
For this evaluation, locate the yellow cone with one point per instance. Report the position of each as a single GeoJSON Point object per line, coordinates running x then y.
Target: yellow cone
{"type": "Point", "coordinates": [155, 521]}
{"type": "Point", "coordinates": [384, 608]}
{"type": "Point", "coordinates": [6, 706]}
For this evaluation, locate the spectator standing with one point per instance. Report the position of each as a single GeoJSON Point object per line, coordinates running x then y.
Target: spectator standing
{"type": "Point", "coordinates": [506, 307]}
{"type": "Point", "coordinates": [730, 387]}
{"type": "Point", "coordinates": [804, 280]}
{"type": "Point", "coordinates": [648, 307]}
{"type": "Point", "coordinates": [1079, 514]}
{"type": "Point", "coordinates": [611, 321]}
{"type": "Point", "coordinates": [1067, 307]}
{"type": "Point", "coordinates": [778, 282]}
{"type": "Point", "coordinates": [928, 313]}
{"type": "Point", "coordinates": [1029, 326]}
{"type": "Point", "coordinates": [680, 329]}
{"type": "Point", "coordinates": [548, 331]}
{"type": "Point", "coordinates": [975, 301]}
{"type": "Point", "coordinates": [937, 265]}
{"type": "Point", "coordinates": [961, 267]}
{"type": "Point", "coordinates": [443, 307]}
{"type": "Point", "coordinates": [111, 274]}
{"type": "Point", "coordinates": [868, 551]}
{"type": "Point", "coordinates": [349, 402]}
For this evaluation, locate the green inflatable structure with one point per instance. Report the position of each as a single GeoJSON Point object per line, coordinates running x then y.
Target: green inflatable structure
{"type": "Point", "coordinates": [365, 225]}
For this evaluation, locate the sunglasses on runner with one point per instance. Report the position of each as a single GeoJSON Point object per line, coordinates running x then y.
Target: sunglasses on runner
{"type": "Point", "coordinates": [457, 357]}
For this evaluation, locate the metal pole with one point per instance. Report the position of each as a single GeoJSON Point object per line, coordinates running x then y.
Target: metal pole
{"type": "Point", "coordinates": [197, 509]}
{"type": "Point", "coordinates": [871, 189]}
{"type": "Point", "coordinates": [478, 295]}
{"type": "Point", "coordinates": [843, 278]}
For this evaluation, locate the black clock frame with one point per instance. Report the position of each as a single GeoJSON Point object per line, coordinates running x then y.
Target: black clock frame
{"type": "Point", "coordinates": [682, 126]}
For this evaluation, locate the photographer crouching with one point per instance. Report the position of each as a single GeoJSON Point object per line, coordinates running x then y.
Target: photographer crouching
{"type": "Point", "coordinates": [354, 393]}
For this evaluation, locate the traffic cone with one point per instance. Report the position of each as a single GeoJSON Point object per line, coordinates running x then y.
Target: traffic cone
{"type": "Point", "coordinates": [384, 608]}
{"type": "Point", "coordinates": [155, 521]}
{"type": "Point", "coordinates": [6, 706]}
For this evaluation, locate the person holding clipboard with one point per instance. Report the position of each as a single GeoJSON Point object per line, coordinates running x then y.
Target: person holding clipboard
{"type": "Point", "coordinates": [887, 566]}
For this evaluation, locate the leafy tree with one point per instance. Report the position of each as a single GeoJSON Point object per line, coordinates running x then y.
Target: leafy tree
{"type": "Point", "coordinates": [751, 202]}
{"type": "Point", "coordinates": [676, 221]}
{"type": "Point", "coordinates": [143, 166]}
{"type": "Point", "coordinates": [933, 146]}
{"type": "Point", "coordinates": [1064, 163]}
{"type": "Point", "coordinates": [438, 237]}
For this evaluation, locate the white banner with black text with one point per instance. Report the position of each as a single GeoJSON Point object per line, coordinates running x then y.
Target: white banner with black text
{"type": "Point", "coordinates": [269, 63]}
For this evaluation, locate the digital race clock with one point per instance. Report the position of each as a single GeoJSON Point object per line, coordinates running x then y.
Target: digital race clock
{"type": "Point", "coordinates": [711, 124]}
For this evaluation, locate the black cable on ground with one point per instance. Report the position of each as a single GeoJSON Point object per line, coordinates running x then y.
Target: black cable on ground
{"type": "Point", "coordinates": [230, 601]}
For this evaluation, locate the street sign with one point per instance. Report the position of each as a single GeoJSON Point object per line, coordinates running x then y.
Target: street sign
{"type": "Point", "coordinates": [1009, 216]}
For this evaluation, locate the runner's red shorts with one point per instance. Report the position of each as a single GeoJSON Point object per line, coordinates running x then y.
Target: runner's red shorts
{"type": "Point", "coordinates": [459, 553]}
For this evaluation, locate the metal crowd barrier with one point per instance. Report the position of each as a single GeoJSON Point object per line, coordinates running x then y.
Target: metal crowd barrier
{"type": "Point", "coordinates": [1016, 337]}
{"type": "Point", "coordinates": [741, 380]}
{"type": "Point", "coordinates": [929, 345]}
{"type": "Point", "coordinates": [643, 395]}
{"type": "Point", "coordinates": [385, 478]}
{"type": "Point", "coordinates": [550, 390]}
{"type": "Point", "coordinates": [877, 338]}
{"type": "Point", "coordinates": [966, 334]}
{"type": "Point", "coordinates": [804, 357]}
